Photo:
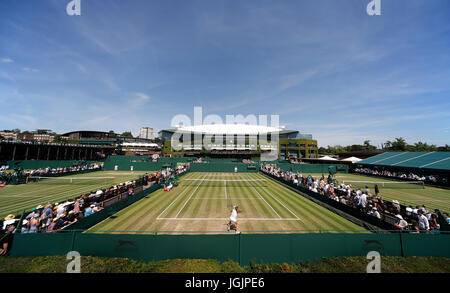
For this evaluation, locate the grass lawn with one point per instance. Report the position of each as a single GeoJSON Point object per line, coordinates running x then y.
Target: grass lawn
{"type": "Point", "coordinates": [15, 198]}
{"type": "Point", "coordinates": [355, 264]}
{"type": "Point", "coordinates": [203, 206]}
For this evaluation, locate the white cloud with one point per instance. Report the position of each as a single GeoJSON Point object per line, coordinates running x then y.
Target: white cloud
{"type": "Point", "coordinates": [29, 69]}
{"type": "Point", "coordinates": [138, 99]}
{"type": "Point", "coordinates": [7, 60]}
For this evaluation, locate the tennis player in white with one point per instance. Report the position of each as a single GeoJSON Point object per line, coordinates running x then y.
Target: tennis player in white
{"type": "Point", "coordinates": [233, 219]}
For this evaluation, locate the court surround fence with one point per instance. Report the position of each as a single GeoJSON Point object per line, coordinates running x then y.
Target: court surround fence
{"type": "Point", "coordinates": [242, 248]}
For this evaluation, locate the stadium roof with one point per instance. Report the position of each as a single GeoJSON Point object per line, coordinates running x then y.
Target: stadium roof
{"type": "Point", "coordinates": [421, 160]}
{"type": "Point", "coordinates": [140, 144]}
{"type": "Point", "coordinates": [238, 129]}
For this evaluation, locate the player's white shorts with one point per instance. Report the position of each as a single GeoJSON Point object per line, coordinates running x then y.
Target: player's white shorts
{"type": "Point", "coordinates": [232, 219]}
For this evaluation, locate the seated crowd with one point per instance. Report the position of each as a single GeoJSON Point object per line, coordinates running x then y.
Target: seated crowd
{"type": "Point", "coordinates": [48, 170]}
{"type": "Point", "coordinates": [432, 179]}
{"type": "Point", "coordinates": [56, 216]}
{"type": "Point", "coordinates": [6, 178]}
{"type": "Point", "coordinates": [418, 219]}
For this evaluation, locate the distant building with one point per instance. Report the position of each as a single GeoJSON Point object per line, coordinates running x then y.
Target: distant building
{"type": "Point", "coordinates": [25, 136]}
{"type": "Point", "coordinates": [212, 140]}
{"type": "Point", "coordinates": [122, 145]}
{"type": "Point", "coordinates": [92, 137]}
{"type": "Point", "coordinates": [147, 133]}
{"type": "Point", "coordinates": [8, 135]}
{"type": "Point", "coordinates": [43, 137]}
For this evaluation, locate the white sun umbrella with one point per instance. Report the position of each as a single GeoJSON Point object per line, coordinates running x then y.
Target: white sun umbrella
{"type": "Point", "coordinates": [328, 158]}
{"type": "Point", "coordinates": [352, 159]}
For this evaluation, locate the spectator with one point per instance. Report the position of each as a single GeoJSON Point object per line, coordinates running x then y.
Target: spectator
{"type": "Point", "coordinates": [374, 212]}
{"type": "Point", "coordinates": [396, 206]}
{"type": "Point", "coordinates": [6, 240]}
{"type": "Point", "coordinates": [130, 192]}
{"type": "Point", "coordinates": [76, 207]}
{"type": "Point", "coordinates": [447, 218]}
{"type": "Point", "coordinates": [89, 211]}
{"type": "Point", "coordinates": [434, 219]}
{"type": "Point", "coordinates": [402, 223]}
{"type": "Point", "coordinates": [34, 223]}
{"type": "Point", "coordinates": [423, 222]}
{"type": "Point", "coordinates": [377, 190]}
{"type": "Point", "coordinates": [8, 221]}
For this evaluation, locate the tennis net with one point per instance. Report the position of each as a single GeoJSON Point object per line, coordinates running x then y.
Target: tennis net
{"type": "Point", "coordinates": [225, 182]}
{"type": "Point", "coordinates": [71, 180]}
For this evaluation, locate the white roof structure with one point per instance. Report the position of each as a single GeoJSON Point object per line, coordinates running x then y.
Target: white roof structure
{"type": "Point", "coordinates": [328, 158]}
{"type": "Point", "coordinates": [238, 129]}
{"type": "Point", "coordinates": [352, 159]}
{"type": "Point", "coordinates": [140, 144]}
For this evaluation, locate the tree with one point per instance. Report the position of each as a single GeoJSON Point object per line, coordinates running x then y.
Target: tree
{"type": "Point", "coordinates": [58, 138]}
{"type": "Point", "coordinates": [43, 131]}
{"type": "Point", "coordinates": [399, 144]}
{"type": "Point", "coordinates": [445, 148]}
{"type": "Point", "coordinates": [16, 130]}
{"type": "Point", "coordinates": [323, 151]}
{"type": "Point", "coordinates": [127, 134]}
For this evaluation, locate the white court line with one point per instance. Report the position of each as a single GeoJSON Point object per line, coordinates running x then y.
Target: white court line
{"type": "Point", "coordinates": [172, 202]}
{"type": "Point", "coordinates": [282, 204]}
{"type": "Point", "coordinates": [226, 194]}
{"type": "Point", "coordinates": [188, 199]}
{"type": "Point", "coordinates": [227, 198]}
{"type": "Point", "coordinates": [266, 202]}
{"type": "Point", "coordinates": [225, 219]}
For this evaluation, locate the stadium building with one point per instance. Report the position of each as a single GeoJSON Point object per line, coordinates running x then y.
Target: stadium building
{"type": "Point", "coordinates": [121, 144]}
{"type": "Point", "coordinates": [147, 133]}
{"type": "Point", "coordinates": [237, 140]}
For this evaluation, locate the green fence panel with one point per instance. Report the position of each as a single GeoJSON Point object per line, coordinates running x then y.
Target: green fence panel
{"type": "Point", "coordinates": [308, 247]}
{"type": "Point", "coordinates": [159, 247]}
{"type": "Point", "coordinates": [220, 167]}
{"type": "Point", "coordinates": [139, 163]}
{"type": "Point", "coordinates": [243, 248]}
{"type": "Point", "coordinates": [426, 245]}
{"type": "Point", "coordinates": [39, 244]}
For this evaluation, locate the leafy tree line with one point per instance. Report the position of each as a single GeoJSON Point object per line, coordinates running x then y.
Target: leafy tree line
{"type": "Point", "coordinates": [398, 145]}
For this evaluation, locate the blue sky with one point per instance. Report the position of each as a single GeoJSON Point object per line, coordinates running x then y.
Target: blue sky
{"type": "Point", "coordinates": [324, 66]}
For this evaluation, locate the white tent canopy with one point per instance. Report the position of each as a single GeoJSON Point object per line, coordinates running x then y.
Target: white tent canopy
{"type": "Point", "coordinates": [352, 159]}
{"type": "Point", "coordinates": [328, 158]}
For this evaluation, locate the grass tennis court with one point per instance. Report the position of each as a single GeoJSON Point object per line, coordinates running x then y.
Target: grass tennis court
{"type": "Point", "coordinates": [15, 198]}
{"type": "Point", "coordinates": [203, 205]}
